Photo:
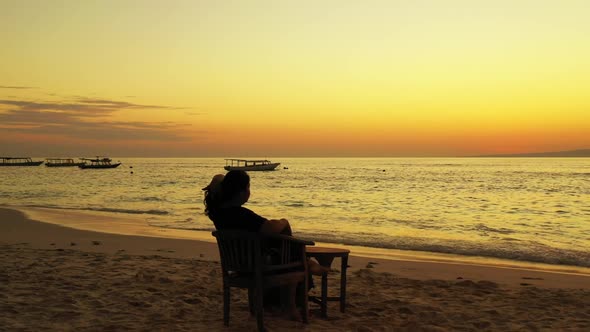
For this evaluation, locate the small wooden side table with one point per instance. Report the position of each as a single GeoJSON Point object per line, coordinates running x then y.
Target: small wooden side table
{"type": "Point", "coordinates": [325, 256]}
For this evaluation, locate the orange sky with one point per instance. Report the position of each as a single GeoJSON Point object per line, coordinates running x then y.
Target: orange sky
{"type": "Point", "coordinates": [293, 78]}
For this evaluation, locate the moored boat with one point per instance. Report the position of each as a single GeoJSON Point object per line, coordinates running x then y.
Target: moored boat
{"type": "Point", "coordinates": [98, 163]}
{"type": "Point", "coordinates": [19, 161]}
{"type": "Point", "coordinates": [62, 162]}
{"type": "Point", "coordinates": [249, 165]}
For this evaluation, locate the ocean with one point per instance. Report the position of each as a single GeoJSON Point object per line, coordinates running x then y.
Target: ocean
{"type": "Point", "coordinates": [523, 209]}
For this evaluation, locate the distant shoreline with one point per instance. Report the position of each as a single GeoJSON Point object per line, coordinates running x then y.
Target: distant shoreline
{"type": "Point", "coordinates": [556, 154]}
{"type": "Point", "coordinates": [581, 153]}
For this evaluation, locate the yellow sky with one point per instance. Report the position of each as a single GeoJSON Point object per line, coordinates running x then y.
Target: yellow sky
{"type": "Point", "coordinates": [294, 78]}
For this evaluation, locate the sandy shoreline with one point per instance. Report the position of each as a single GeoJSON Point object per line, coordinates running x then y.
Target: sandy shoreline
{"type": "Point", "coordinates": [60, 278]}
{"type": "Point", "coordinates": [132, 233]}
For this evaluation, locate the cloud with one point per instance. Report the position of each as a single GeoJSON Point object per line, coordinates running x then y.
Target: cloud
{"type": "Point", "coordinates": [118, 104]}
{"type": "Point", "coordinates": [108, 131]}
{"type": "Point", "coordinates": [81, 119]}
{"type": "Point", "coordinates": [80, 107]}
{"type": "Point", "coordinates": [16, 87]}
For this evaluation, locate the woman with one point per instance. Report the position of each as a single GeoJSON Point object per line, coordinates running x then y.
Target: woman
{"type": "Point", "coordinates": [224, 200]}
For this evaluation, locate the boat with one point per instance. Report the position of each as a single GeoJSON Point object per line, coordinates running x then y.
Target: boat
{"type": "Point", "coordinates": [19, 161]}
{"type": "Point", "coordinates": [62, 162]}
{"type": "Point", "coordinates": [249, 165]}
{"type": "Point", "coordinates": [98, 162]}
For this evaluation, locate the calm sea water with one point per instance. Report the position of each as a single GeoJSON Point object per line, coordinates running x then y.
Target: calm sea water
{"type": "Point", "coordinates": [524, 209]}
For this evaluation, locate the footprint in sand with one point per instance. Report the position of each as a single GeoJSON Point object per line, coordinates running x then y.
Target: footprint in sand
{"type": "Point", "coordinates": [20, 244]}
{"type": "Point", "coordinates": [371, 265]}
{"type": "Point", "coordinates": [96, 243]}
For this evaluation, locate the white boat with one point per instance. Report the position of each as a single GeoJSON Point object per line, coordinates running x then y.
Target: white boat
{"type": "Point", "coordinates": [249, 165]}
{"type": "Point", "coordinates": [19, 161]}
{"type": "Point", "coordinates": [62, 162]}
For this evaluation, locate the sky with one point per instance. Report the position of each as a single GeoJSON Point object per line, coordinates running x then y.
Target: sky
{"type": "Point", "coordinates": [298, 78]}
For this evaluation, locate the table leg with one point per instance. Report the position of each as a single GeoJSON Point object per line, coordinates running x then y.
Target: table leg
{"type": "Point", "coordinates": [344, 261]}
{"type": "Point", "coordinates": [324, 305]}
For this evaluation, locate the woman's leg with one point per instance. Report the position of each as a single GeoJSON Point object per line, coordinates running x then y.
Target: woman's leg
{"type": "Point", "coordinates": [292, 311]}
{"type": "Point", "coordinates": [316, 269]}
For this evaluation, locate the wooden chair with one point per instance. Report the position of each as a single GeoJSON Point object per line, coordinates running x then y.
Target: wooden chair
{"type": "Point", "coordinates": [246, 263]}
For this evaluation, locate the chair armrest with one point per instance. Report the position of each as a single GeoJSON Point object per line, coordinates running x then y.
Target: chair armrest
{"type": "Point", "coordinates": [289, 238]}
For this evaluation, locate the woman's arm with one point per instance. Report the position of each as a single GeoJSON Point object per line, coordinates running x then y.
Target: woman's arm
{"type": "Point", "coordinates": [276, 226]}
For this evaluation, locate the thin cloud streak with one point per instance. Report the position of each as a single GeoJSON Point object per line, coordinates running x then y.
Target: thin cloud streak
{"type": "Point", "coordinates": [17, 87]}
{"type": "Point", "coordinates": [84, 106]}
{"type": "Point", "coordinates": [119, 104]}
{"type": "Point", "coordinates": [80, 120]}
{"type": "Point", "coordinates": [106, 132]}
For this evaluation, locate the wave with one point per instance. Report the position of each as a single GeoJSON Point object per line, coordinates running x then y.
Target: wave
{"type": "Point", "coordinates": [150, 199]}
{"type": "Point", "coordinates": [510, 249]}
{"type": "Point", "coordinates": [195, 228]}
{"type": "Point", "coordinates": [115, 210]}
{"type": "Point", "coordinates": [154, 212]}
{"type": "Point", "coordinates": [295, 204]}
{"type": "Point", "coordinates": [486, 229]}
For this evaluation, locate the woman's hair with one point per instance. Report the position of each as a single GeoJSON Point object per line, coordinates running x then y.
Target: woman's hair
{"type": "Point", "coordinates": [210, 201]}
{"type": "Point", "coordinates": [232, 184]}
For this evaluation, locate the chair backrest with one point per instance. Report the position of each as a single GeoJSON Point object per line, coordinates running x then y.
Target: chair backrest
{"type": "Point", "coordinates": [246, 252]}
{"type": "Point", "coordinates": [239, 251]}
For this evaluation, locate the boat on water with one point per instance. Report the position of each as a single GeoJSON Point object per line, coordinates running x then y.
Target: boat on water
{"type": "Point", "coordinates": [249, 165]}
{"type": "Point", "coordinates": [62, 162]}
{"type": "Point", "coordinates": [19, 161]}
{"type": "Point", "coordinates": [98, 163]}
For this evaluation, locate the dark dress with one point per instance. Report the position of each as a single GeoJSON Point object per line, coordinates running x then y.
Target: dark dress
{"type": "Point", "coordinates": [237, 218]}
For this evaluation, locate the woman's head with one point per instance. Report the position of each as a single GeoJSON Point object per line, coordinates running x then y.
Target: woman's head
{"type": "Point", "coordinates": [231, 189]}
{"type": "Point", "coordinates": [235, 187]}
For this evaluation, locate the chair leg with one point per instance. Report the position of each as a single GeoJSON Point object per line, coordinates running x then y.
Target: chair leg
{"type": "Point", "coordinates": [226, 297]}
{"type": "Point", "coordinates": [305, 297]}
{"type": "Point", "coordinates": [251, 297]}
{"type": "Point", "coordinates": [259, 309]}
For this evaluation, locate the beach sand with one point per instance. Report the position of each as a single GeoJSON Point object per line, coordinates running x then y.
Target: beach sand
{"type": "Point", "coordinates": [62, 278]}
